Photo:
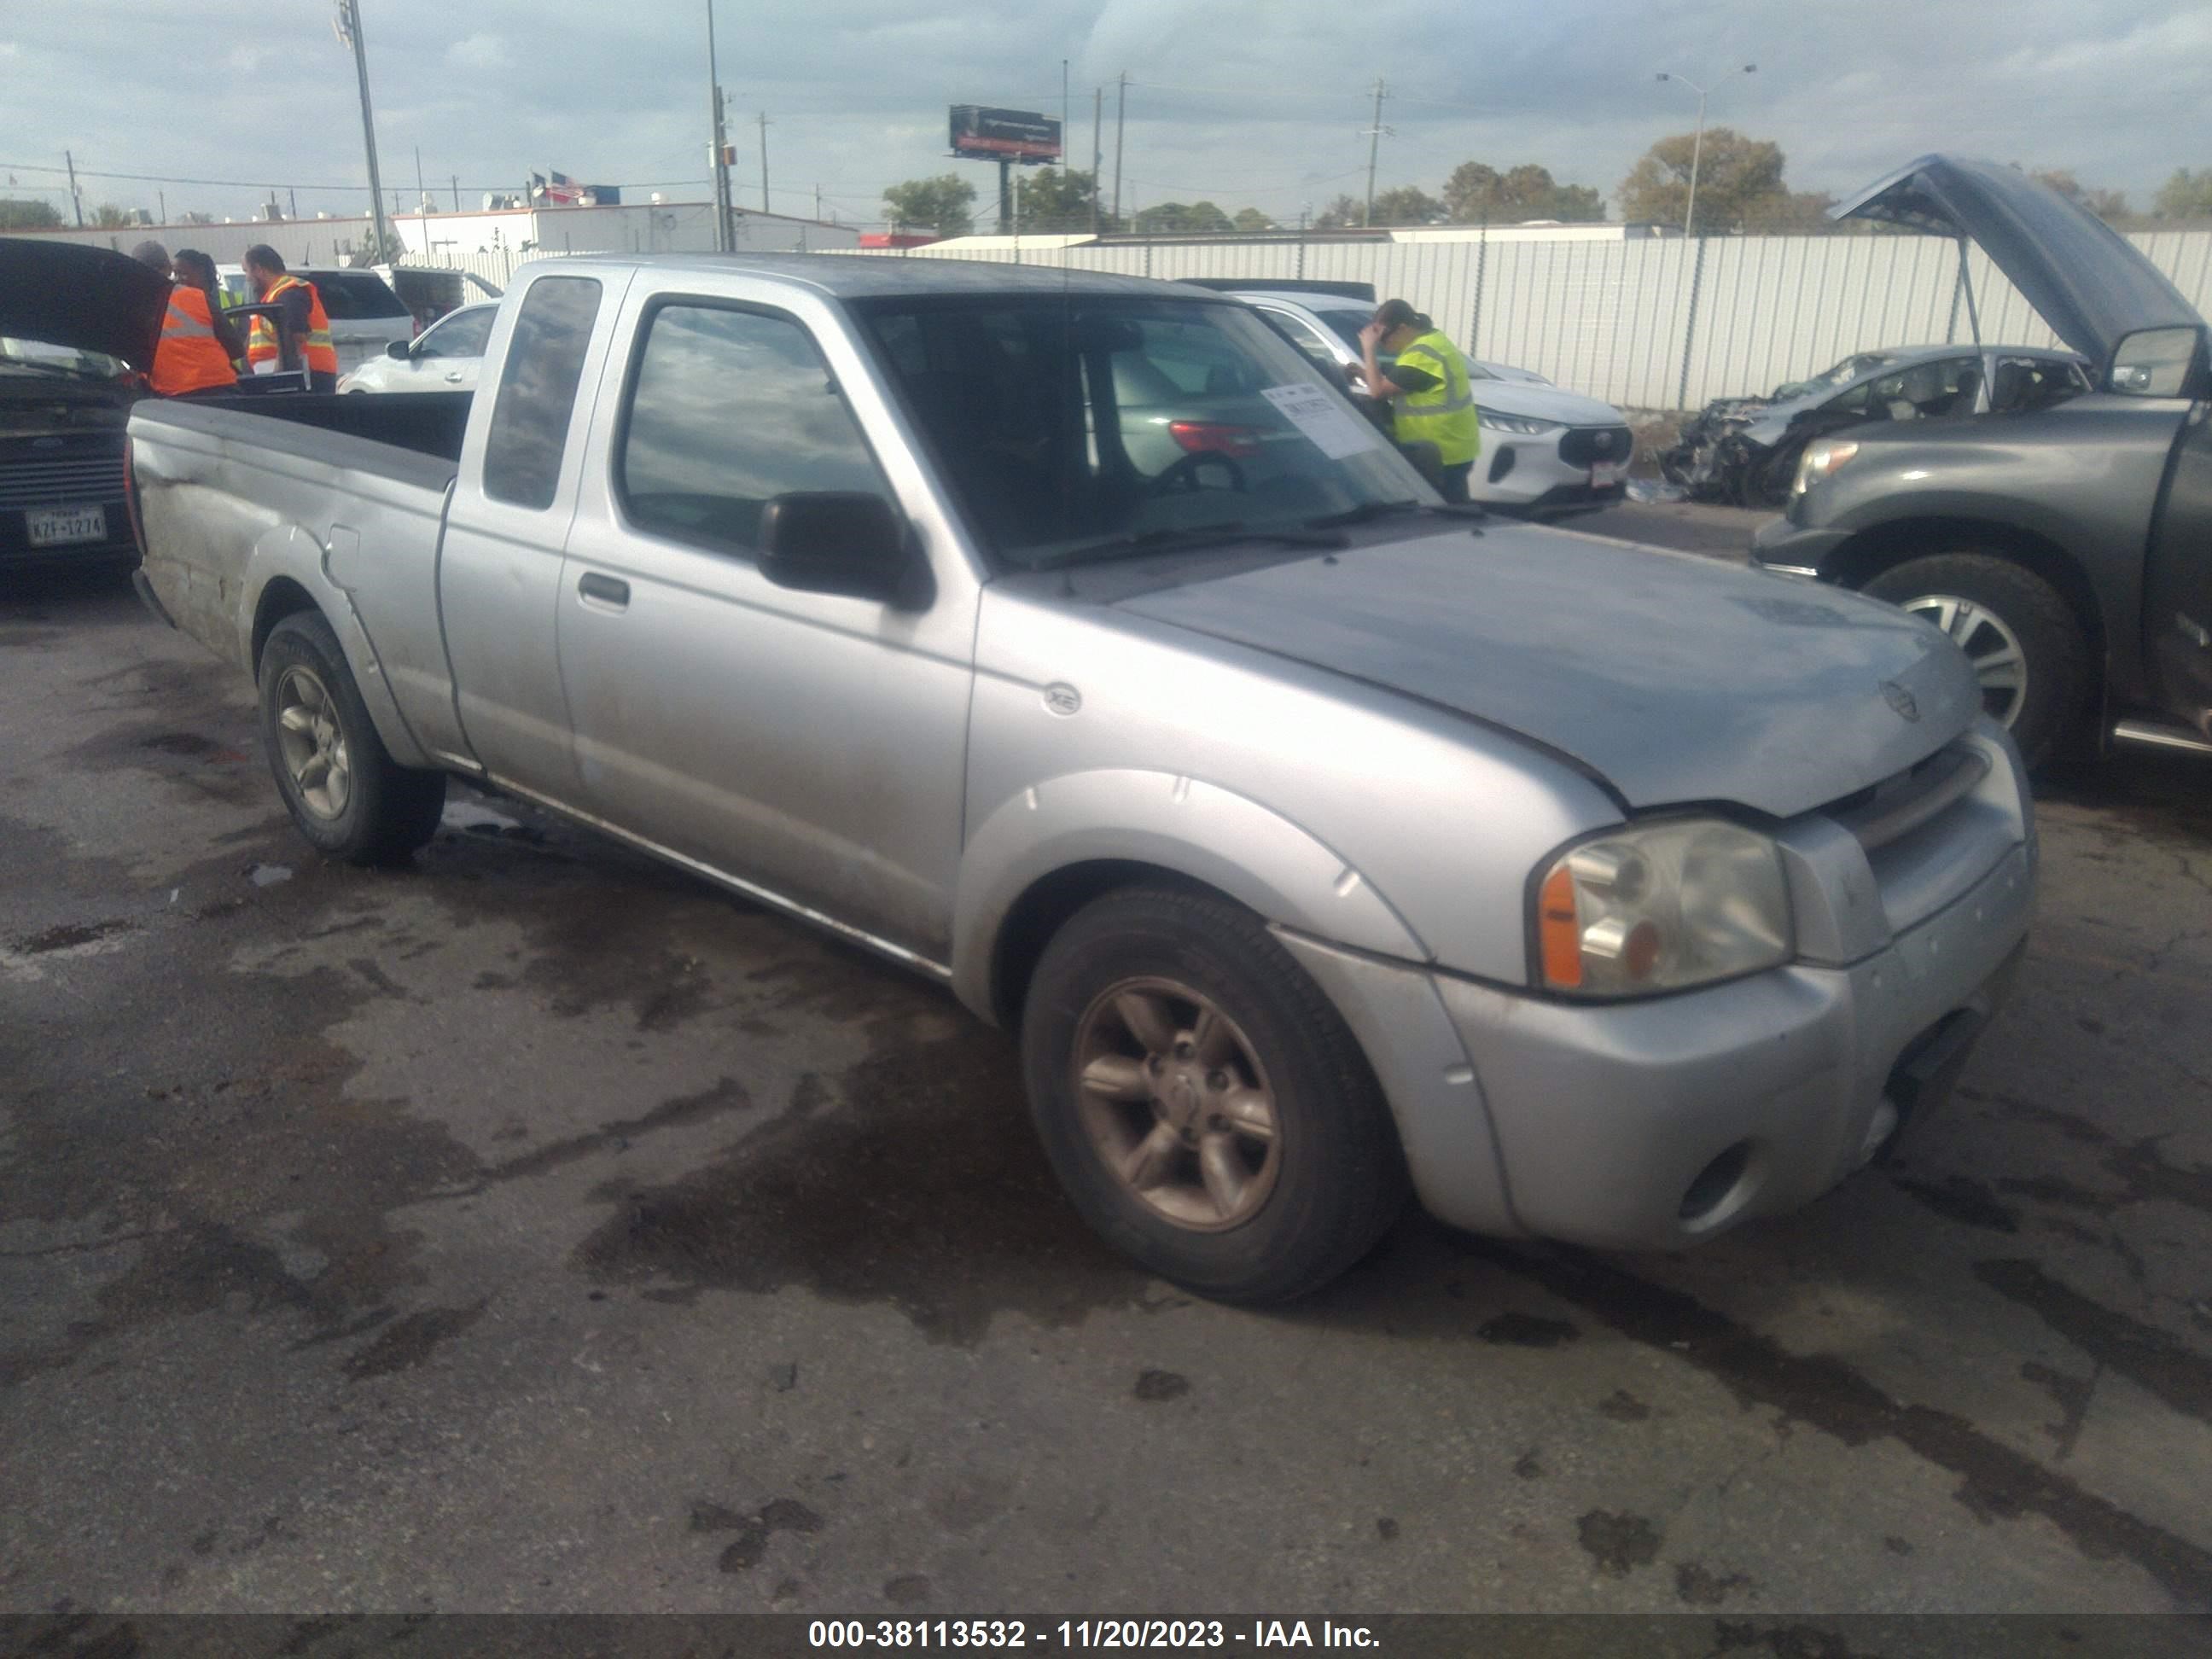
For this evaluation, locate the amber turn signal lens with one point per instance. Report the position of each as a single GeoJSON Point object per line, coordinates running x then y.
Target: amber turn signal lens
{"type": "Point", "coordinates": [1559, 927]}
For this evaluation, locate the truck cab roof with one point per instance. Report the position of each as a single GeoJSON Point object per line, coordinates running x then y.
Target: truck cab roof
{"type": "Point", "coordinates": [861, 276]}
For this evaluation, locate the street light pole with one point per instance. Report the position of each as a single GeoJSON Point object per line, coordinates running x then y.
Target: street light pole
{"type": "Point", "coordinates": [1697, 143]}
{"type": "Point", "coordinates": [348, 26]}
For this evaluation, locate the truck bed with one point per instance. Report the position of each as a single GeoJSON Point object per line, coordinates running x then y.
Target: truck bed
{"type": "Point", "coordinates": [336, 500]}
{"type": "Point", "coordinates": [425, 425]}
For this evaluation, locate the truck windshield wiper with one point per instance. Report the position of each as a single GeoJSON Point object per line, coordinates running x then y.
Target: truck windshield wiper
{"type": "Point", "coordinates": [1178, 541]}
{"type": "Point", "coordinates": [1367, 512]}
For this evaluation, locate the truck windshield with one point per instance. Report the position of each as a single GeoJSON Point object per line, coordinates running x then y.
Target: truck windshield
{"type": "Point", "coordinates": [37, 357]}
{"type": "Point", "coordinates": [1070, 424]}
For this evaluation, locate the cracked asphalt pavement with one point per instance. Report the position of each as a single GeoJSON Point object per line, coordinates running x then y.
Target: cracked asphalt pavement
{"type": "Point", "coordinates": [536, 1229]}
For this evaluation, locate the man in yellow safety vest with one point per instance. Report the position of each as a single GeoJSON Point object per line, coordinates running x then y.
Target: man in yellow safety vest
{"type": "Point", "coordinates": [1429, 387]}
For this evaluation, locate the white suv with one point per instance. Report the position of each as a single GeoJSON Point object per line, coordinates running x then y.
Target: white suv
{"type": "Point", "coordinates": [1544, 450]}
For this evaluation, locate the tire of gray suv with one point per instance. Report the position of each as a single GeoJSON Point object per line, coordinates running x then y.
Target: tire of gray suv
{"type": "Point", "coordinates": [346, 794]}
{"type": "Point", "coordinates": [1202, 1101]}
{"type": "Point", "coordinates": [2028, 650]}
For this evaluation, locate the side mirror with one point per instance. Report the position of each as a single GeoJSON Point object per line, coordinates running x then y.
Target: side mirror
{"type": "Point", "coordinates": [398, 351]}
{"type": "Point", "coordinates": [2158, 362]}
{"type": "Point", "coordinates": [837, 541]}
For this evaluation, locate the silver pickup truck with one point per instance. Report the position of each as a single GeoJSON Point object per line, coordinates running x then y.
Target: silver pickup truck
{"type": "Point", "coordinates": [1057, 637]}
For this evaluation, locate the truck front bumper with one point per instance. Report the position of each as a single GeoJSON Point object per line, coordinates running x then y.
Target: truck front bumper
{"type": "Point", "coordinates": [1793, 548]}
{"type": "Point", "coordinates": [1651, 1124]}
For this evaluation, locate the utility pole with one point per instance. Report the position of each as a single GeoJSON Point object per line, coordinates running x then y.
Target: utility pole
{"type": "Point", "coordinates": [1374, 150]}
{"type": "Point", "coordinates": [1120, 119]}
{"type": "Point", "coordinates": [348, 27]}
{"type": "Point", "coordinates": [723, 240]}
{"type": "Point", "coordinates": [422, 196]}
{"type": "Point", "coordinates": [456, 192]}
{"type": "Point", "coordinates": [1098, 112]}
{"type": "Point", "coordinates": [763, 127]}
{"type": "Point", "coordinates": [292, 195]}
{"type": "Point", "coordinates": [1066, 121]}
{"type": "Point", "coordinates": [162, 197]}
{"type": "Point", "coordinates": [76, 200]}
{"type": "Point", "coordinates": [817, 201]}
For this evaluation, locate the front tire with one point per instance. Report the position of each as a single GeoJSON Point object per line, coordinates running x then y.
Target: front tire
{"type": "Point", "coordinates": [2028, 650]}
{"type": "Point", "coordinates": [346, 794]}
{"type": "Point", "coordinates": [1202, 1101]}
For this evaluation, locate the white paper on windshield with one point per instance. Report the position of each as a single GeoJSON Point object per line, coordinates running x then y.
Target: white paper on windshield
{"type": "Point", "coordinates": [1334, 429]}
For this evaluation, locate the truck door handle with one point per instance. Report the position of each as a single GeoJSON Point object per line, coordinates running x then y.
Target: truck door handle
{"type": "Point", "coordinates": [455, 377]}
{"type": "Point", "coordinates": [609, 590]}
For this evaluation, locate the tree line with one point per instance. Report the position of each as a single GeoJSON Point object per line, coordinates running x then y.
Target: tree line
{"type": "Point", "coordinates": [28, 213]}
{"type": "Point", "coordinates": [1740, 188]}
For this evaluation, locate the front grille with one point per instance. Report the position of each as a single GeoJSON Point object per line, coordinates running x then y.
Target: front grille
{"type": "Point", "coordinates": [1902, 803]}
{"type": "Point", "coordinates": [70, 481]}
{"type": "Point", "coordinates": [1584, 444]}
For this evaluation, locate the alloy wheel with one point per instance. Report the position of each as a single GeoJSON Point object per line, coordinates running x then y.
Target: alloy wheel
{"type": "Point", "coordinates": [312, 742]}
{"type": "Point", "coordinates": [1992, 647]}
{"type": "Point", "coordinates": [1176, 1104]}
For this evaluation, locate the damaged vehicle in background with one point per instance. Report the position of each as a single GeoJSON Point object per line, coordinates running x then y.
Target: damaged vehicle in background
{"type": "Point", "coordinates": [76, 324]}
{"type": "Point", "coordinates": [1744, 451]}
{"type": "Point", "coordinates": [2066, 548]}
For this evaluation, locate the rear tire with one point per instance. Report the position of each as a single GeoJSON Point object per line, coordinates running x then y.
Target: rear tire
{"type": "Point", "coordinates": [2028, 650]}
{"type": "Point", "coordinates": [346, 794]}
{"type": "Point", "coordinates": [1202, 1101]}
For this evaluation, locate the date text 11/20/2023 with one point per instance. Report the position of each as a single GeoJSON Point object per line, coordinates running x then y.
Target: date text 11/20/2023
{"type": "Point", "coordinates": [1086, 1633]}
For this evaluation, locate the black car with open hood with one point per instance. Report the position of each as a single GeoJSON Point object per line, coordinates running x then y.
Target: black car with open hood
{"type": "Point", "coordinates": [78, 326]}
{"type": "Point", "coordinates": [2067, 547]}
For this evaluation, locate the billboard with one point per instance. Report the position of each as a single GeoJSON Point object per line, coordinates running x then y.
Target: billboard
{"type": "Point", "coordinates": [1004, 135]}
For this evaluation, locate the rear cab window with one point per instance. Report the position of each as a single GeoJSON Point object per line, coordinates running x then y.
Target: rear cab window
{"type": "Point", "coordinates": [538, 385]}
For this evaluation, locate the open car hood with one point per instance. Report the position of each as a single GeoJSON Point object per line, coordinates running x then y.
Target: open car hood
{"type": "Point", "coordinates": [2085, 279]}
{"type": "Point", "coordinates": [88, 299]}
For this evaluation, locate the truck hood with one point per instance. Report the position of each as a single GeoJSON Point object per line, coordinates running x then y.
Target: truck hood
{"type": "Point", "coordinates": [2085, 279]}
{"type": "Point", "coordinates": [1672, 679]}
{"type": "Point", "coordinates": [89, 299]}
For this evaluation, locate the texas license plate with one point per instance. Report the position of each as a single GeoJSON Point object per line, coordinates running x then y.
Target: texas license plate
{"type": "Point", "coordinates": [1604, 475]}
{"type": "Point", "coordinates": [54, 527]}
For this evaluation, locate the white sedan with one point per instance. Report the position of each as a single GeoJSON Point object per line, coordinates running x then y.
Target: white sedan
{"type": "Point", "coordinates": [444, 357]}
{"type": "Point", "coordinates": [1545, 450]}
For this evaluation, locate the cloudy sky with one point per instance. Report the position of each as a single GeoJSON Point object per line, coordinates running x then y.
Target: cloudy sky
{"type": "Point", "coordinates": [1258, 102]}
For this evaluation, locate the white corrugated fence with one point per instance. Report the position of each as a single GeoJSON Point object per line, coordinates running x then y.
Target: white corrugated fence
{"type": "Point", "coordinates": [1648, 323]}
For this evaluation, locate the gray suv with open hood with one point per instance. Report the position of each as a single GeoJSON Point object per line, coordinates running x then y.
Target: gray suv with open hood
{"type": "Point", "coordinates": [2066, 547]}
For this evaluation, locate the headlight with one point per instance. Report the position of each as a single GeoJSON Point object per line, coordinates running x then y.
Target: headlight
{"type": "Point", "coordinates": [1516, 423]}
{"type": "Point", "coordinates": [1661, 906]}
{"type": "Point", "coordinates": [1820, 460]}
